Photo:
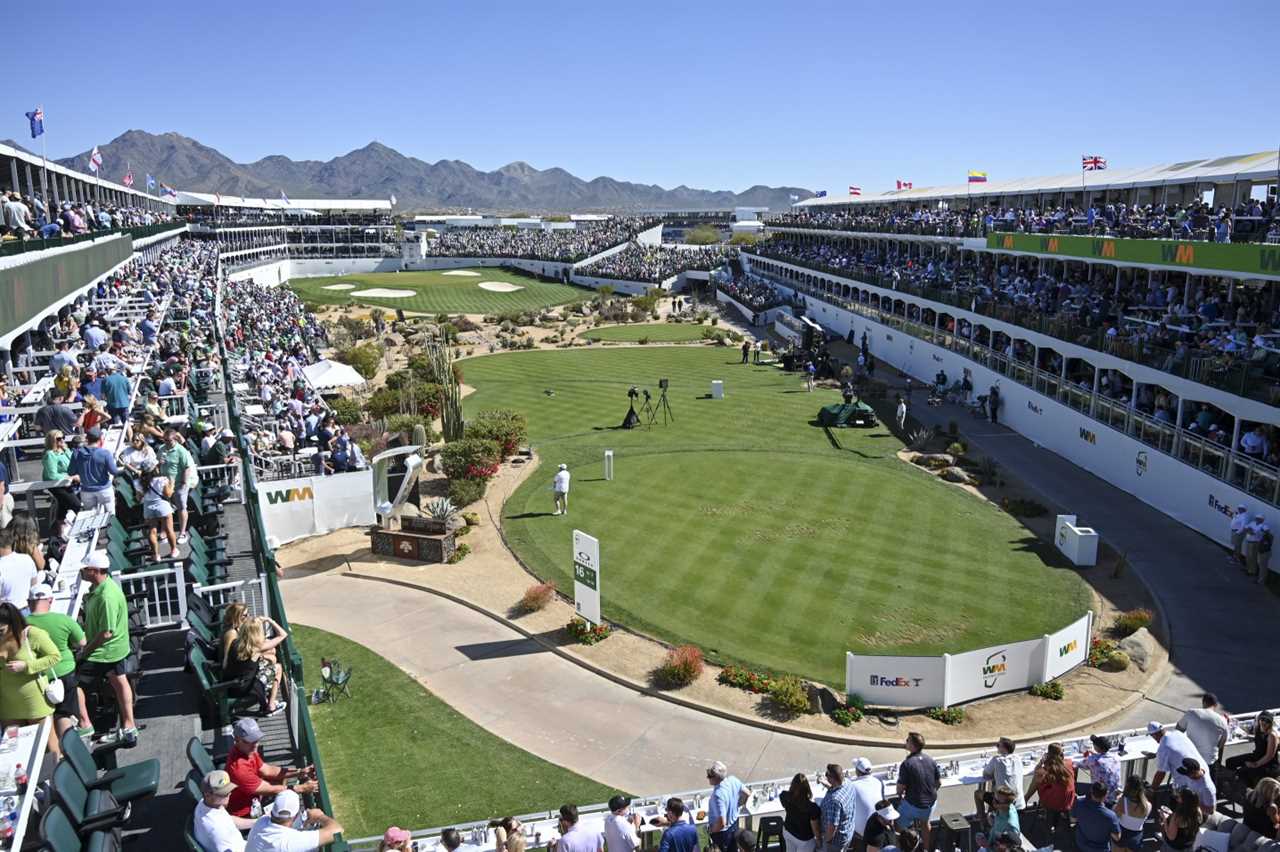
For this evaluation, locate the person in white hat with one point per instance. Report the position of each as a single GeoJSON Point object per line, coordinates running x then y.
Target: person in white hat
{"type": "Point", "coordinates": [215, 828]}
{"type": "Point", "coordinates": [274, 831]}
{"type": "Point", "coordinates": [106, 624]}
{"type": "Point", "coordinates": [867, 791]}
{"type": "Point", "coordinates": [1174, 748]}
{"type": "Point", "coordinates": [560, 487]}
{"type": "Point", "coordinates": [65, 633]}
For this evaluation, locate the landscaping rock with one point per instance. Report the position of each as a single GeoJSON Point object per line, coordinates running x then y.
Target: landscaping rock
{"type": "Point", "coordinates": [1141, 648]}
{"type": "Point", "coordinates": [821, 699]}
{"type": "Point", "coordinates": [934, 460]}
{"type": "Point", "coordinates": [955, 474]}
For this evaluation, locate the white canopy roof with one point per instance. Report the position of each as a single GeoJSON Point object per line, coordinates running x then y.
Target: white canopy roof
{"type": "Point", "coordinates": [1261, 166]}
{"type": "Point", "coordinates": [332, 374]}
{"type": "Point", "coordinates": [307, 205]}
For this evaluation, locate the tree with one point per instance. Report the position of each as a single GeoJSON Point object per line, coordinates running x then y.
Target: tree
{"type": "Point", "coordinates": [702, 235]}
{"type": "Point", "coordinates": [365, 358]}
{"type": "Point", "coordinates": [744, 238]}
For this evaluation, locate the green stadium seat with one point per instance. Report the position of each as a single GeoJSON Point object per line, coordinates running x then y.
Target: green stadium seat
{"type": "Point", "coordinates": [88, 810]}
{"type": "Point", "coordinates": [127, 784]}
{"type": "Point", "coordinates": [58, 834]}
{"type": "Point", "coordinates": [201, 761]}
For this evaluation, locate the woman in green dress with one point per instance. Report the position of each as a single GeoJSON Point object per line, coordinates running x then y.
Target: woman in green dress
{"type": "Point", "coordinates": [26, 655]}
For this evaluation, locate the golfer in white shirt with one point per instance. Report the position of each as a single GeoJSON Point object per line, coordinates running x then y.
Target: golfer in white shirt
{"type": "Point", "coordinates": [560, 486]}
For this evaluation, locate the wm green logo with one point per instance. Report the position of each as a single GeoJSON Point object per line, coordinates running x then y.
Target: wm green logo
{"type": "Point", "coordinates": [1068, 648]}
{"type": "Point", "coordinates": [290, 495]}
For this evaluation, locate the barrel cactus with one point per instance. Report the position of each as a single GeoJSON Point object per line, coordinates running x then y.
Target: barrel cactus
{"type": "Point", "coordinates": [419, 435]}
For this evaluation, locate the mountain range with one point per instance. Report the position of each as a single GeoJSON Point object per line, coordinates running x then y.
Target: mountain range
{"type": "Point", "coordinates": [377, 171]}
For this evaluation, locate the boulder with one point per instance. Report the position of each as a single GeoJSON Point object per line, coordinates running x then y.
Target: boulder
{"type": "Point", "coordinates": [1141, 648]}
{"type": "Point", "coordinates": [821, 699]}
{"type": "Point", "coordinates": [932, 460]}
{"type": "Point", "coordinates": [957, 475]}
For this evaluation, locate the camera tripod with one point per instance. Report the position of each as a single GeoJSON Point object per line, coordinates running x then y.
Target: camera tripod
{"type": "Point", "coordinates": [662, 405]}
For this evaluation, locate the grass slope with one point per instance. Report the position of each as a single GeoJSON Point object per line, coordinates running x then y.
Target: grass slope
{"type": "Point", "coordinates": [439, 293]}
{"type": "Point", "coordinates": [394, 754]}
{"type": "Point", "coordinates": [741, 529]}
{"type": "Point", "coordinates": [658, 332]}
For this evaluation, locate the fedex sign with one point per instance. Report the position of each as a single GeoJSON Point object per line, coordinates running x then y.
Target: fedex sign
{"type": "Point", "coordinates": [881, 680]}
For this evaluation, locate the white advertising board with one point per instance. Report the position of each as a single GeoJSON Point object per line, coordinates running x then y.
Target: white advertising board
{"type": "Point", "coordinates": [586, 576]}
{"type": "Point", "coordinates": [896, 681]}
{"type": "Point", "coordinates": [991, 671]}
{"type": "Point", "coordinates": [1068, 648]}
{"type": "Point", "coordinates": [311, 505]}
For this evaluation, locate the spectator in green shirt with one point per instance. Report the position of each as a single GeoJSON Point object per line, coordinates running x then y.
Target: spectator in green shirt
{"type": "Point", "coordinates": [106, 622]}
{"type": "Point", "coordinates": [66, 634]}
{"type": "Point", "coordinates": [177, 464]}
{"type": "Point", "coordinates": [55, 466]}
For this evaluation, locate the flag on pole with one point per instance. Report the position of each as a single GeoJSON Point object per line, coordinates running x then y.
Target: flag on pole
{"type": "Point", "coordinates": [1093, 163]}
{"type": "Point", "coordinates": [822, 193]}
{"type": "Point", "coordinates": [904, 184]}
{"type": "Point", "coordinates": [977, 177]}
{"type": "Point", "coordinates": [36, 117]}
{"type": "Point", "coordinates": [151, 183]}
{"type": "Point", "coordinates": [128, 174]}
{"type": "Point", "coordinates": [855, 190]}
{"type": "Point", "coordinates": [393, 199]}
{"type": "Point", "coordinates": [95, 160]}
{"type": "Point", "coordinates": [165, 189]}
{"type": "Point", "coordinates": [284, 197]}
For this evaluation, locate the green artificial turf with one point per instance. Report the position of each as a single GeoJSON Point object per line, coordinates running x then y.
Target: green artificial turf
{"type": "Point", "coordinates": [394, 754]}
{"type": "Point", "coordinates": [438, 293]}
{"type": "Point", "coordinates": [658, 332]}
{"type": "Point", "coordinates": [741, 529]}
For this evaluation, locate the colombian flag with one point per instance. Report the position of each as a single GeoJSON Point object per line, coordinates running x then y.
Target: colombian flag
{"type": "Point", "coordinates": [977, 177]}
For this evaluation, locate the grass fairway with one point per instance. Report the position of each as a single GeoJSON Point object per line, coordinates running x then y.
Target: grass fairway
{"type": "Point", "coordinates": [741, 529]}
{"type": "Point", "coordinates": [657, 332]}
{"type": "Point", "coordinates": [436, 292]}
{"type": "Point", "coordinates": [394, 754]}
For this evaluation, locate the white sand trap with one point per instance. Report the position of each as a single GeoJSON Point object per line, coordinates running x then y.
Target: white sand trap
{"type": "Point", "coordinates": [384, 293]}
{"type": "Point", "coordinates": [465, 273]}
{"type": "Point", "coordinates": [499, 286]}
{"type": "Point", "coordinates": [338, 287]}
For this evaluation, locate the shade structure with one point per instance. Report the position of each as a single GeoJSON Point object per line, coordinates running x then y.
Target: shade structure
{"type": "Point", "coordinates": [332, 374]}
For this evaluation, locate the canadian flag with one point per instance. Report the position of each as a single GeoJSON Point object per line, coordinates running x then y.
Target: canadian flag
{"type": "Point", "coordinates": [904, 184]}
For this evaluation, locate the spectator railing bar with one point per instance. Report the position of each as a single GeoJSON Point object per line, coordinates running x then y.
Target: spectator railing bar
{"type": "Point", "coordinates": [165, 590]}
{"type": "Point", "coordinates": [12, 247]}
{"type": "Point", "coordinates": [251, 593]}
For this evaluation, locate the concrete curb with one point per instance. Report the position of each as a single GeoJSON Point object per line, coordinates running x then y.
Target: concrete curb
{"type": "Point", "coordinates": [1149, 686]}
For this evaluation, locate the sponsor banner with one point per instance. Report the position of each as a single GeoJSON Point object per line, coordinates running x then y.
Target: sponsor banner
{"type": "Point", "coordinates": [1253, 258]}
{"type": "Point", "coordinates": [896, 681]}
{"type": "Point", "coordinates": [1068, 648]}
{"type": "Point", "coordinates": [297, 508]}
{"type": "Point", "coordinates": [991, 671]}
{"type": "Point", "coordinates": [586, 576]}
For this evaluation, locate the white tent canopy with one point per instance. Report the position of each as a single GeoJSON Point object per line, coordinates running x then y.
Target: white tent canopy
{"type": "Point", "coordinates": [332, 374]}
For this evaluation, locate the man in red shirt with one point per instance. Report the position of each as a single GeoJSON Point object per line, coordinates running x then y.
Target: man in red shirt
{"type": "Point", "coordinates": [255, 779]}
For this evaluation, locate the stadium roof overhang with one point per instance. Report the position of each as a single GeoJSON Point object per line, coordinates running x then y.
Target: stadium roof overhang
{"type": "Point", "coordinates": [307, 205]}
{"type": "Point", "coordinates": [1258, 167]}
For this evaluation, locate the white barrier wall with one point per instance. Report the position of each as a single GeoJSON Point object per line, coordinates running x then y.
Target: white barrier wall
{"type": "Point", "coordinates": [313, 505]}
{"type": "Point", "coordinates": [956, 678]}
{"type": "Point", "coordinates": [550, 269]}
{"type": "Point", "coordinates": [304, 268]}
{"type": "Point", "coordinates": [631, 288]}
{"type": "Point", "coordinates": [268, 275]}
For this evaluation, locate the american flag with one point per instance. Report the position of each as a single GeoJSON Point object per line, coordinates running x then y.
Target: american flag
{"type": "Point", "coordinates": [167, 190]}
{"type": "Point", "coordinates": [128, 175]}
{"type": "Point", "coordinates": [855, 190]}
{"type": "Point", "coordinates": [1093, 163]}
{"type": "Point", "coordinates": [904, 184]}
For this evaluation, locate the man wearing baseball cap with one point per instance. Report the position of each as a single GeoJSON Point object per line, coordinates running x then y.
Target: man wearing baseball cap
{"type": "Point", "coordinates": [106, 623]}
{"type": "Point", "coordinates": [255, 779]}
{"type": "Point", "coordinates": [223, 450]}
{"type": "Point", "coordinates": [274, 832]}
{"type": "Point", "coordinates": [1173, 750]}
{"type": "Point", "coordinates": [621, 827]}
{"type": "Point", "coordinates": [66, 635]}
{"type": "Point", "coordinates": [217, 830]}
{"type": "Point", "coordinates": [867, 791]}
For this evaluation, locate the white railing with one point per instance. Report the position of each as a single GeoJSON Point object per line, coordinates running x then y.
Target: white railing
{"type": "Point", "coordinates": [166, 594]}
{"type": "Point", "coordinates": [222, 476]}
{"type": "Point", "coordinates": [251, 593]}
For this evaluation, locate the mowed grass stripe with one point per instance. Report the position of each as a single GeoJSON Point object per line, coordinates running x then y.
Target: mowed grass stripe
{"type": "Point", "coordinates": [435, 292]}
{"type": "Point", "coordinates": [740, 529]}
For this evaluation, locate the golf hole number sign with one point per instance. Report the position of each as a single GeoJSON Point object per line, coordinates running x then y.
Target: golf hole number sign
{"type": "Point", "coordinates": [586, 576]}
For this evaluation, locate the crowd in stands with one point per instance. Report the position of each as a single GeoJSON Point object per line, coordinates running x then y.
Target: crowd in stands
{"type": "Point", "coordinates": [1195, 221]}
{"type": "Point", "coordinates": [270, 338]}
{"type": "Point", "coordinates": [27, 217]}
{"type": "Point", "coordinates": [562, 245]}
{"type": "Point", "coordinates": [657, 263]}
{"type": "Point", "coordinates": [756, 292]}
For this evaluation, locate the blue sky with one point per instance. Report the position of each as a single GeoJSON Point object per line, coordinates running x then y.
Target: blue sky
{"type": "Point", "coordinates": [712, 95]}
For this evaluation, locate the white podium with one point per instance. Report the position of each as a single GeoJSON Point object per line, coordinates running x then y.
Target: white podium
{"type": "Point", "coordinates": [717, 389]}
{"type": "Point", "coordinates": [1079, 544]}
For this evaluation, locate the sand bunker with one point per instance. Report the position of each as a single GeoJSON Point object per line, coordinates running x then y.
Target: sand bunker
{"type": "Point", "coordinates": [467, 273]}
{"type": "Point", "coordinates": [499, 286]}
{"type": "Point", "coordinates": [339, 287]}
{"type": "Point", "coordinates": [384, 293]}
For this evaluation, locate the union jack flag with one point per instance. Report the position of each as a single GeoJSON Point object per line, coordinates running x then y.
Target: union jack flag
{"type": "Point", "coordinates": [1093, 163]}
{"type": "Point", "coordinates": [855, 190]}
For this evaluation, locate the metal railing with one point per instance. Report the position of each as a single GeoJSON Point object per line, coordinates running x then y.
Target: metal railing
{"type": "Point", "coordinates": [12, 247]}
{"type": "Point", "coordinates": [251, 593]}
{"type": "Point", "coordinates": [165, 591]}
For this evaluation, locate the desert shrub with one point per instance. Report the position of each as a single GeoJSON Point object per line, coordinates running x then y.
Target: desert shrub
{"type": "Point", "coordinates": [365, 358]}
{"type": "Point", "coordinates": [505, 427]}
{"type": "Point", "coordinates": [404, 423]}
{"type": "Point", "coordinates": [988, 469]}
{"type": "Point", "coordinates": [847, 715]}
{"type": "Point", "coordinates": [681, 667]}
{"type": "Point", "coordinates": [459, 553]}
{"type": "Point", "coordinates": [1101, 650]}
{"type": "Point", "coordinates": [919, 438]}
{"type": "Point", "coordinates": [464, 492]}
{"type": "Point", "coordinates": [1023, 508]}
{"type": "Point", "coordinates": [347, 411]}
{"type": "Point", "coordinates": [471, 458]}
{"type": "Point", "coordinates": [585, 633]}
{"type": "Point", "coordinates": [1128, 623]}
{"type": "Point", "coordinates": [743, 678]}
{"type": "Point", "coordinates": [472, 519]}
{"type": "Point", "coordinates": [790, 695]}
{"type": "Point", "coordinates": [702, 235]}
{"type": "Point", "coordinates": [946, 715]}
{"type": "Point", "coordinates": [1051, 690]}
{"type": "Point", "coordinates": [644, 341]}
{"type": "Point", "coordinates": [1117, 661]}
{"type": "Point", "coordinates": [955, 448]}
{"type": "Point", "coordinates": [536, 597]}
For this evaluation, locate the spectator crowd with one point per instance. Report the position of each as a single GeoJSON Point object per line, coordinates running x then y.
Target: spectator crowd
{"type": "Point", "coordinates": [562, 245]}
{"type": "Point", "coordinates": [26, 217]}
{"type": "Point", "coordinates": [657, 263]}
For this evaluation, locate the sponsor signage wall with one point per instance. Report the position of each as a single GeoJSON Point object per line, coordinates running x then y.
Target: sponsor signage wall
{"type": "Point", "coordinates": [1251, 258]}
{"type": "Point", "coordinates": [586, 576]}
{"type": "Point", "coordinates": [312, 505]}
{"type": "Point", "coordinates": [957, 678]}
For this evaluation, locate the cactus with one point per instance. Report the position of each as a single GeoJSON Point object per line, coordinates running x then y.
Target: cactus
{"type": "Point", "coordinates": [442, 372]}
{"type": "Point", "coordinates": [419, 435]}
{"type": "Point", "coordinates": [441, 509]}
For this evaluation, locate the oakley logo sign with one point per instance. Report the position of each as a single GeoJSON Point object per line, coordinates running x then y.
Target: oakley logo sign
{"type": "Point", "coordinates": [290, 495]}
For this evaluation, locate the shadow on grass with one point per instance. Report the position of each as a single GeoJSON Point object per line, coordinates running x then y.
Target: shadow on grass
{"type": "Point", "coordinates": [526, 515]}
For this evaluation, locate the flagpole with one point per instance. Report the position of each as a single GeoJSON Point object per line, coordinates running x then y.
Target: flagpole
{"type": "Point", "coordinates": [44, 171]}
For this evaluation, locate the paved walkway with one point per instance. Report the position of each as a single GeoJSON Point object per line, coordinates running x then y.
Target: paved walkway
{"type": "Point", "coordinates": [1223, 625]}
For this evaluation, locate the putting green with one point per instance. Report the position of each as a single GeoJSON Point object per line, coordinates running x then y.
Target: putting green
{"type": "Point", "coordinates": [438, 292]}
{"type": "Point", "coordinates": [740, 528]}
{"type": "Point", "coordinates": [656, 332]}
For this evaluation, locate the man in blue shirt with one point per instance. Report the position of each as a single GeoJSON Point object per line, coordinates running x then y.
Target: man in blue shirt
{"type": "Point", "coordinates": [682, 835]}
{"type": "Point", "coordinates": [727, 796]}
{"type": "Point", "coordinates": [96, 468]}
{"type": "Point", "coordinates": [149, 329]}
{"type": "Point", "coordinates": [117, 390]}
{"type": "Point", "coordinates": [90, 384]}
{"type": "Point", "coordinates": [1097, 825]}
{"type": "Point", "coordinates": [62, 358]}
{"type": "Point", "coordinates": [94, 336]}
{"type": "Point", "coordinates": [837, 809]}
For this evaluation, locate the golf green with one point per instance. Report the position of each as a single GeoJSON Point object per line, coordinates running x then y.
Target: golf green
{"type": "Point", "coordinates": [442, 291]}
{"type": "Point", "coordinates": [740, 528]}
{"type": "Point", "coordinates": [655, 332]}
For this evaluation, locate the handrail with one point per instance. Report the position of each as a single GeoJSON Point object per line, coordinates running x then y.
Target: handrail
{"type": "Point", "coordinates": [12, 247]}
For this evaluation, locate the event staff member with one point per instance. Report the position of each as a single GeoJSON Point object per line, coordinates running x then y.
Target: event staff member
{"type": "Point", "coordinates": [560, 488]}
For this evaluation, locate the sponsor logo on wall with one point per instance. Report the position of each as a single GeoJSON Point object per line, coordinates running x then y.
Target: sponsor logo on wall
{"type": "Point", "coordinates": [1068, 648]}
{"type": "Point", "coordinates": [1086, 435]}
{"type": "Point", "coordinates": [937, 357]}
{"type": "Point", "coordinates": [290, 495]}
{"type": "Point", "coordinates": [881, 680]}
{"type": "Point", "coordinates": [994, 668]}
{"type": "Point", "coordinates": [888, 336]}
{"type": "Point", "coordinates": [1141, 462]}
{"type": "Point", "coordinates": [1033, 407]}
{"type": "Point", "coordinates": [1218, 505]}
